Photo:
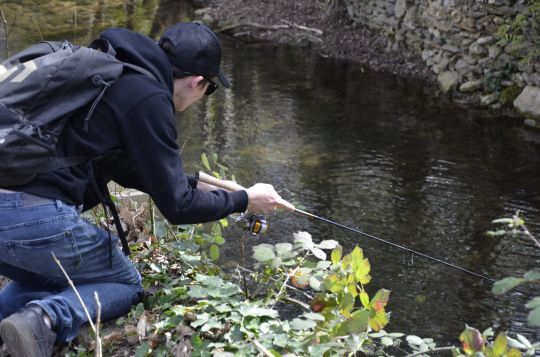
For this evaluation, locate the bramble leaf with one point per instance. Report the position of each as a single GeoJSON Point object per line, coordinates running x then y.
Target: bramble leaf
{"type": "Point", "coordinates": [336, 255]}
{"type": "Point", "coordinates": [214, 252]}
{"type": "Point", "coordinates": [380, 300]}
{"type": "Point", "coordinates": [263, 252]}
{"type": "Point", "coordinates": [471, 340]}
{"type": "Point", "coordinates": [328, 244]}
{"type": "Point", "coordinates": [500, 344]}
{"type": "Point", "coordinates": [378, 319]}
{"type": "Point", "coordinates": [506, 284]}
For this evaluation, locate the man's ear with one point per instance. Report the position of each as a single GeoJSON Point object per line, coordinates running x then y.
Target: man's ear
{"type": "Point", "coordinates": [196, 81]}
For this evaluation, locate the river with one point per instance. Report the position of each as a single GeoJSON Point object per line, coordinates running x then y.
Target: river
{"type": "Point", "coordinates": [371, 151]}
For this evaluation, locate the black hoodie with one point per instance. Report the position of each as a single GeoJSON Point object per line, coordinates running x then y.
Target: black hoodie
{"type": "Point", "coordinates": [136, 120]}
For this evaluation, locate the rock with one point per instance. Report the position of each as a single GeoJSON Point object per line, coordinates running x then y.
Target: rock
{"type": "Point", "coordinates": [462, 67]}
{"type": "Point", "coordinates": [447, 81]}
{"type": "Point", "coordinates": [532, 79]}
{"type": "Point", "coordinates": [471, 86]}
{"type": "Point", "coordinates": [450, 48]}
{"type": "Point", "coordinates": [528, 102]}
{"type": "Point", "coordinates": [494, 51]}
{"type": "Point", "coordinates": [400, 9]}
{"type": "Point", "coordinates": [487, 40]}
{"type": "Point", "coordinates": [489, 99]}
{"type": "Point", "coordinates": [530, 123]}
{"type": "Point", "coordinates": [477, 50]}
{"type": "Point", "coordinates": [496, 106]}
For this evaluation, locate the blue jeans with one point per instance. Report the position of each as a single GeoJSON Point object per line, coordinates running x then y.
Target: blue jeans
{"type": "Point", "coordinates": [29, 232]}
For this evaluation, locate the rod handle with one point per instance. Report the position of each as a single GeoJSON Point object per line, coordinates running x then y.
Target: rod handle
{"type": "Point", "coordinates": [233, 186]}
{"type": "Point", "coordinates": [226, 185]}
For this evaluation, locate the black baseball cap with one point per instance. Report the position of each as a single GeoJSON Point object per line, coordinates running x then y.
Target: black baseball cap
{"type": "Point", "coordinates": [193, 49]}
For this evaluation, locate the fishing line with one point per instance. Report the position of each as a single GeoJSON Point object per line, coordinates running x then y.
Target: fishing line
{"type": "Point", "coordinates": [357, 231]}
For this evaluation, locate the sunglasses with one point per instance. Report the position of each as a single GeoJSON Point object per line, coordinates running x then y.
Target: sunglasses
{"type": "Point", "coordinates": [212, 86]}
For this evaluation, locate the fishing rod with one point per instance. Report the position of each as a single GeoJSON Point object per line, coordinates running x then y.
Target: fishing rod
{"type": "Point", "coordinates": [260, 223]}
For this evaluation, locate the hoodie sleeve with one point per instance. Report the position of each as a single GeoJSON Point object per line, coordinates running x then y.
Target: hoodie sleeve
{"type": "Point", "coordinates": [149, 134]}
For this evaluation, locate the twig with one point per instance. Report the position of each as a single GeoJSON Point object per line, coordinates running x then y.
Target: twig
{"type": "Point", "coordinates": [99, 349]}
{"type": "Point", "coordinates": [261, 348]}
{"type": "Point", "coordinates": [284, 285]}
{"type": "Point", "coordinates": [243, 262]}
{"type": "Point", "coordinates": [37, 26]}
{"type": "Point", "coordinates": [438, 349]}
{"type": "Point", "coordinates": [152, 216]}
{"type": "Point", "coordinates": [288, 286]}
{"type": "Point", "coordinates": [70, 282]}
{"type": "Point", "coordinates": [285, 26]}
{"type": "Point", "coordinates": [6, 34]}
{"type": "Point", "coordinates": [304, 28]}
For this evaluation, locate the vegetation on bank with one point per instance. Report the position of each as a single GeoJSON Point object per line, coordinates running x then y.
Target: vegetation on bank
{"type": "Point", "coordinates": [300, 299]}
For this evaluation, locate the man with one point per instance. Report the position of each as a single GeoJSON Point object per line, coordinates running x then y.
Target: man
{"type": "Point", "coordinates": [132, 135]}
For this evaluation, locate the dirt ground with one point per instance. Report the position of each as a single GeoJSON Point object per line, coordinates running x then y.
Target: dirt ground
{"type": "Point", "coordinates": [322, 25]}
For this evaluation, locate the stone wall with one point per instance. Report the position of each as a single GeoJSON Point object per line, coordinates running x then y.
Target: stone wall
{"type": "Point", "coordinates": [457, 40]}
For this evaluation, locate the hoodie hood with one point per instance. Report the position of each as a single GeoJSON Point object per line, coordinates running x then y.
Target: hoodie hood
{"type": "Point", "coordinates": [142, 51]}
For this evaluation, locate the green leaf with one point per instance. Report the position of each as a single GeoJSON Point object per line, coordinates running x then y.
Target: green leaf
{"type": "Point", "coordinates": [315, 282]}
{"type": "Point", "coordinates": [205, 162]}
{"type": "Point", "coordinates": [197, 292]}
{"type": "Point", "coordinates": [142, 350]}
{"type": "Point", "coordinates": [346, 304]}
{"type": "Point", "coordinates": [532, 275]}
{"type": "Point", "coordinates": [255, 311]}
{"type": "Point", "coordinates": [328, 244]}
{"type": "Point", "coordinates": [284, 250]}
{"type": "Point", "coordinates": [334, 283]}
{"type": "Point", "coordinates": [336, 255]}
{"type": "Point", "coordinates": [314, 316]}
{"type": "Point", "coordinates": [500, 344]}
{"type": "Point", "coordinates": [214, 252]}
{"type": "Point", "coordinates": [303, 240]}
{"type": "Point", "coordinates": [496, 233]}
{"type": "Point", "coordinates": [318, 253]}
{"type": "Point", "coordinates": [387, 341]}
{"type": "Point", "coordinates": [414, 340]}
{"type": "Point", "coordinates": [358, 322]}
{"type": "Point", "coordinates": [534, 303]}
{"type": "Point", "coordinates": [378, 319]}
{"type": "Point", "coordinates": [362, 270]}
{"type": "Point", "coordinates": [301, 324]}
{"type": "Point", "coordinates": [219, 240]}
{"type": "Point", "coordinates": [506, 284]}
{"type": "Point", "coordinates": [534, 317]}
{"type": "Point", "coordinates": [263, 252]}
{"type": "Point", "coordinates": [364, 299]}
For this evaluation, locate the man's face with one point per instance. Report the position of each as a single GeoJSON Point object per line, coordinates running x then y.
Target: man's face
{"type": "Point", "coordinates": [187, 91]}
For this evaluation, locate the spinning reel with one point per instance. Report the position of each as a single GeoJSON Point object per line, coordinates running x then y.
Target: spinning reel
{"type": "Point", "coordinates": [253, 223]}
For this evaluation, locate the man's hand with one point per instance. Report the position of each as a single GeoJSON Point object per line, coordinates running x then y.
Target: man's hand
{"type": "Point", "coordinates": [263, 199]}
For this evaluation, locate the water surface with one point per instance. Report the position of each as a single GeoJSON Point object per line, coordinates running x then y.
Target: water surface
{"type": "Point", "coordinates": [368, 150]}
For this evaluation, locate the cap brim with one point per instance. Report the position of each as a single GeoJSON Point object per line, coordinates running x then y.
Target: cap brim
{"type": "Point", "coordinates": [224, 80]}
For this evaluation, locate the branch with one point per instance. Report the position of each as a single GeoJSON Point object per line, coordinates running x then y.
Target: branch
{"type": "Point", "coordinates": [285, 26]}
{"type": "Point", "coordinates": [70, 282]}
{"type": "Point", "coordinates": [99, 349]}
{"type": "Point", "coordinates": [261, 348]}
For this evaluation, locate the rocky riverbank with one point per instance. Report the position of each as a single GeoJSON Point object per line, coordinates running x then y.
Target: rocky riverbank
{"type": "Point", "coordinates": [450, 45]}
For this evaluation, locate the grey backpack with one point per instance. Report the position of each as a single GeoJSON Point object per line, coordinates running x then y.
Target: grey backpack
{"type": "Point", "coordinates": [40, 87]}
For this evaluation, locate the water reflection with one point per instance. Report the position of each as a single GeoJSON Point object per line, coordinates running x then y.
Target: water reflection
{"type": "Point", "coordinates": [371, 151]}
